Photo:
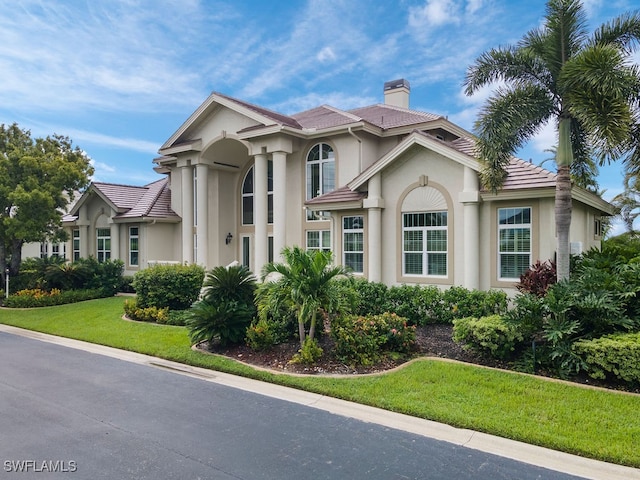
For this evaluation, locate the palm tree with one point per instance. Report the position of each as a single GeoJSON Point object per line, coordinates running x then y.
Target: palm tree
{"type": "Point", "coordinates": [627, 203]}
{"type": "Point", "coordinates": [560, 73]}
{"type": "Point", "coordinates": [307, 277]}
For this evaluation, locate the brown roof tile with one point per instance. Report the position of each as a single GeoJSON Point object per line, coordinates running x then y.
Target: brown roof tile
{"type": "Point", "coordinates": [389, 116]}
{"type": "Point", "coordinates": [340, 195]}
{"type": "Point", "coordinates": [275, 116]}
{"type": "Point", "coordinates": [324, 117]}
{"type": "Point", "coordinates": [152, 200]}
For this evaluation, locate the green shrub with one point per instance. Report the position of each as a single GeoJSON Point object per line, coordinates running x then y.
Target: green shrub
{"type": "Point", "coordinates": [42, 298]}
{"type": "Point", "coordinates": [363, 340]}
{"type": "Point", "coordinates": [616, 355]}
{"type": "Point", "coordinates": [490, 335]}
{"type": "Point", "coordinates": [127, 284]}
{"type": "Point", "coordinates": [176, 317]}
{"type": "Point", "coordinates": [370, 297]}
{"type": "Point", "coordinates": [106, 275]}
{"type": "Point", "coordinates": [173, 286]}
{"type": "Point", "coordinates": [309, 354]}
{"type": "Point", "coordinates": [145, 314]}
{"type": "Point", "coordinates": [226, 321]}
{"type": "Point", "coordinates": [459, 302]}
{"type": "Point", "coordinates": [260, 335]}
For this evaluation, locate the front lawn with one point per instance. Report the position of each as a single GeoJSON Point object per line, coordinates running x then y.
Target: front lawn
{"type": "Point", "coordinates": [593, 423]}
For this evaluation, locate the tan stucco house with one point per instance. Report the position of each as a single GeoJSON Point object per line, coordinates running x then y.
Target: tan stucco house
{"type": "Point", "coordinates": [394, 193]}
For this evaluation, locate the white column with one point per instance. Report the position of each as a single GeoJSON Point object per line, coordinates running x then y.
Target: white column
{"type": "Point", "coordinates": [470, 198]}
{"type": "Point", "coordinates": [202, 231]}
{"type": "Point", "coordinates": [186, 174]}
{"type": "Point", "coordinates": [260, 209]}
{"type": "Point", "coordinates": [374, 203]}
{"type": "Point", "coordinates": [279, 203]}
{"type": "Point", "coordinates": [115, 241]}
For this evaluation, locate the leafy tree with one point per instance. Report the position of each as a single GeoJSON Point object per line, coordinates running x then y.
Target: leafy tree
{"type": "Point", "coordinates": [38, 178]}
{"type": "Point", "coordinates": [560, 73]}
{"type": "Point", "coordinates": [307, 277]}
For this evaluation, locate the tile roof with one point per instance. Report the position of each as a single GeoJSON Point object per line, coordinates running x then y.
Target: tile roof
{"type": "Point", "coordinates": [522, 174]}
{"type": "Point", "coordinates": [152, 200]}
{"type": "Point", "coordinates": [275, 116]}
{"type": "Point", "coordinates": [324, 117]}
{"type": "Point", "coordinates": [340, 195]}
{"type": "Point", "coordinates": [389, 116]}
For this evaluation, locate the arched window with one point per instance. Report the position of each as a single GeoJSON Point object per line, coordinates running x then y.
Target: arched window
{"type": "Point", "coordinates": [320, 173]}
{"type": "Point", "coordinates": [425, 233]}
{"type": "Point", "coordinates": [247, 195]}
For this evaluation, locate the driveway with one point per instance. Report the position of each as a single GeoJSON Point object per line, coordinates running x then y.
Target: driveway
{"type": "Point", "coordinates": [74, 413]}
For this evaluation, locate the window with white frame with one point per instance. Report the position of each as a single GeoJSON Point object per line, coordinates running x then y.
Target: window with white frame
{"type": "Point", "coordinates": [247, 195]}
{"type": "Point", "coordinates": [75, 244]}
{"type": "Point", "coordinates": [425, 240]}
{"type": "Point", "coordinates": [134, 246]}
{"type": "Point", "coordinates": [320, 174]}
{"type": "Point", "coordinates": [55, 250]}
{"type": "Point", "coordinates": [353, 243]}
{"type": "Point", "coordinates": [319, 240]}
{"type": "Point", "coordinates": [514, 242]}
{"type": "Point", "coordinates": [44, 250]}
{"type": "Point", "coordinates": [103, 238]}
{"type": "Point", "coordinates": [246, 251]}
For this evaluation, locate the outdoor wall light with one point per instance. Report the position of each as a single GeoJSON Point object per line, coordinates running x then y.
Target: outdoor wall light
{"type": "Point", "coordinates": [228, 239]}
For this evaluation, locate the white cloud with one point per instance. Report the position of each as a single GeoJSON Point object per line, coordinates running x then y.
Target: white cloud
{"type": "Point", "coordinates": [434, 13]}
{"type": "Point", "coordinates": [326, 55]}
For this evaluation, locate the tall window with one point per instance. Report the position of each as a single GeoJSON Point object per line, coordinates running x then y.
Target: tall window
{"type": "Point", "coordinates": [353, 243]}
{"type": "Point", "coordinates": [103, 236]}
{"type": "Point", "coordinates": [134, 246]}
{"type": "Point", "coordinates": [425, 243]}
{"type": "Point", "coordinates": [514, 242]}
{"type": "Point", "coordinates": [319, 240]}
{"type": "Point", "coordinates": [320, 173]}
{"type": "Point", "coordinates": [247, 195]}
{"type": "Point", "coordinates": [44, 250]}
{"type": "Point", "coordinates": [246, 252]}
{"type": "Point", "coordinates": [76, 244]}
{"type": "Point", "coordinates": [55, 250]}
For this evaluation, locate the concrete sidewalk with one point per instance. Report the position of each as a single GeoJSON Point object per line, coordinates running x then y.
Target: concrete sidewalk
{"type": "Point", "coordinates": [542, 457]}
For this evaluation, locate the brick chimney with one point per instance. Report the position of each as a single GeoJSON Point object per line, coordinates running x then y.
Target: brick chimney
{"type": "Point", "coordinates": [396, 93]}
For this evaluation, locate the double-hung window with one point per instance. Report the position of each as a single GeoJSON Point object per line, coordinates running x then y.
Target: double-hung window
{"type": "Point", "coordinates": [134, 246]}
{"type": "Point", "coordinates": [353, 243]}
{"type": "Point", "coordinates": [75, 244]}
{"type": "Point", "coordinates": [514, 242]}
{"type": "Point", "coordinates": [103, 237]}
{"type": "Point", "coordinates": [425, 243]}
{"type": "Point", "coordinates": [319, 240]}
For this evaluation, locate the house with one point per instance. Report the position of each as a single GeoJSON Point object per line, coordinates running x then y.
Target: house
{"type": "Point", "coordinates": [394, 193]}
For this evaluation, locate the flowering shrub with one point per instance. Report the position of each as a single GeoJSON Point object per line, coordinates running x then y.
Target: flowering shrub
{"type": "Point", "coordinates": [147, 314]}
{"type": "Point", "coordinates": [363, 340]}
{"type": "Point", "coordinates": [37, 297]}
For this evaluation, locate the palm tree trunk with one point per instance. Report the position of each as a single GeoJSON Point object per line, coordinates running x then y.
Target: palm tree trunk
{"type": "Point", "coordinates": [301, 332]}
{"type": "Point", "coordinates": [563, 221]}
{"type": "Point", "coordinates": [312, 327]}
{"type": "Point", "coordinates": [564, 158]}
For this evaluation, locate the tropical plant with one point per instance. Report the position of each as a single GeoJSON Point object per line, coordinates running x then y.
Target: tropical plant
{"type": "Point", "coordinates": [307, 277]}
{"type": "Point", "coordinates": [225, 308]}
{"type": "Point", "coordinates": [559, 73]}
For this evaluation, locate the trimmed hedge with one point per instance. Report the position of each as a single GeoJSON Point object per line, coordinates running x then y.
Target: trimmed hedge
{"type": "Point", "coordinates": [616, 355]}
{"type": "Point", "coordinates": [174, 286]}
{"type": "Point", "coordinates": [490, 335]}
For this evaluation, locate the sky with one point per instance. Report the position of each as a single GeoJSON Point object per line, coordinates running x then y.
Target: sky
{"type": "Point", "coordinates": [119, 77]}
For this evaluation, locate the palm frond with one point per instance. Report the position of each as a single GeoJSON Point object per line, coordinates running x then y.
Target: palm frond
{"type": "Point", "coordinates": [623, 31]}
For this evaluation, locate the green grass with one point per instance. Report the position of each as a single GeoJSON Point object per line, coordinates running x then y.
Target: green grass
{"type": "Point", "coordinates": [592, 423]}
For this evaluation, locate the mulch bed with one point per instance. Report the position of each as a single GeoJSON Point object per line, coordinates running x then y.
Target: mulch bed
{"type": "Point", "coordinates": [431, 341]}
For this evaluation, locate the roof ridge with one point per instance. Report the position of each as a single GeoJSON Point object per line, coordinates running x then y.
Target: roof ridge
{"type": "Point", "coordinates": [160, 186]}
{"type": "Point", "coordinates": [346, 113]}
{"type": "Point", "coordinates": [399, 109]}
{"type": "Point", "coordinates": [272, 114]}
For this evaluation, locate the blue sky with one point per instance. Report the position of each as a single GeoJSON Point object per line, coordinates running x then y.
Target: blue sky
{"type": "Point", "coordinates": [120, 76]}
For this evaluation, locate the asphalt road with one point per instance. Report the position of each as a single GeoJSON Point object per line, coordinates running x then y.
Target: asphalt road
{"type": "Point", "coordinates": [67, 413]}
